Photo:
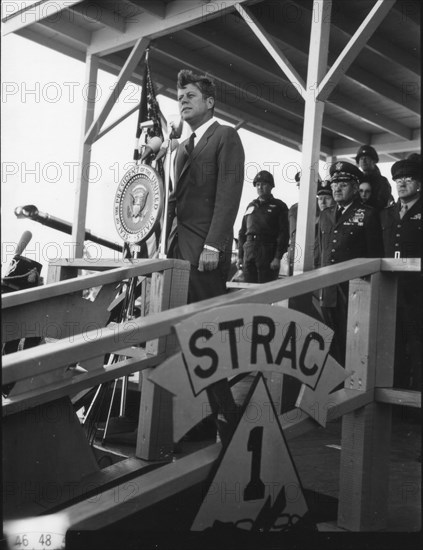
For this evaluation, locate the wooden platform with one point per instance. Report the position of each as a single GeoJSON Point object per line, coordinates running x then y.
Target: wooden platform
{"type": "Point", "coordinates": [316, 456]}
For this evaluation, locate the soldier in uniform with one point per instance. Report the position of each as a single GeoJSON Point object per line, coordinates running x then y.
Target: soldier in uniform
{"type": "Point", "coordinates": [367, 159]}
{"type": "Point", "coordinates": [324, 195]}
{"type": "Point", "coordinates": [346, 231]}
{"type": "Point", "coordinates": [324, 200]}
{"type": "Point", "coordinates": [293, 252]}
{"type": "Point", "coordinates": [401, 229]}
{"type": "Point", "coordinates": [264, 234]}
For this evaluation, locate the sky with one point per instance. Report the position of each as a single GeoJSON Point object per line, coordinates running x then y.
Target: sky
{"type": "Point", "coordinates": [43, 95]}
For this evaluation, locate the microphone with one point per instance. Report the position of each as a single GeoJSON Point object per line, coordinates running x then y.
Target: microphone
{"type": "Point", "coordinates": [151, 148]}
{"type": "Point", "coordinates": [175, 127]}
{"type": "Point", "coordinates": [163, 149]}
{"type": "Point", "coordinates": [23, 243]}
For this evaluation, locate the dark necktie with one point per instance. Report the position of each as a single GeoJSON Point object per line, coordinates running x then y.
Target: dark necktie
{"type": "Point", "coordinates": [339, 212]}
{"type": "Point", "coordinates": [190, 144]}
{"type": "Point", "coordinates": [403, 210]}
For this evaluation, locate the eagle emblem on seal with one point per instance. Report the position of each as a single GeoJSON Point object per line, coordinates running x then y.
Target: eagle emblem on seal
{"type": "Point", "coordinates": [138, 199]}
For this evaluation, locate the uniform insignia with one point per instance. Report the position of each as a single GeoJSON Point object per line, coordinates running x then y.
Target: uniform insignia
{"type": "Point", "coordinates": [416, 217]}
{"type": "Point", "coordinates": [338, 166]}
{"type": "Point", "coordinates": [358, 218]}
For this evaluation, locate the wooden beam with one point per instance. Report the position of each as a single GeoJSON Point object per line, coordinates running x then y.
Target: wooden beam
{"type": "Point", "coordinates": [81, 192]}
{"type": "Point", "coordinates": [153, 7]}
{"type": "Point", "coordinates": [312, 134]}
{"type": "Point", "coordinates": [31, 33]}
{"type": "Point", "coordinates": [385, 123]}
{"type": "Point", "coordinates": [272, 48]}
{"type": "Point", "coordinates": [69, 30]}
{"type": "Point", "coordinates": [123, 269]}
{"type": "Point", "coordinates": [383, 143]}
{"type": "Point", "coordinates": [42, 359]}
{"type": "Point", "coordinates": [408, 265]}
{"type": "Point", "coordinates": [353, 48]}
{"type": "Point", "coordinates": [180, 14]}
{"type": "Point", "coordinates": [393, 396]}
{"type": "Point", "coordinates": [346, 23]}
{"type": "Point", "coordinates": [116, 123]}
{"type": "Point", "coordinates": [100, 14]}
{"type": "Point", "coordinates": [70, 387]}
{"type": "Point", "coordinates": [113, 65]}
{"type": "Point", "coordinates": [371, 82]}
{"type": "Point", "coordinates": [142, 491]}
{"type": "Point", "coordinates": [14, 20]}
{"type": "Point", "coordinates": [124, 75]}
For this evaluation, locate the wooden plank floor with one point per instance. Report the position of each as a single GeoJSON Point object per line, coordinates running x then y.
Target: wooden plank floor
{"type": "Point", "coordinates": [317, 455]}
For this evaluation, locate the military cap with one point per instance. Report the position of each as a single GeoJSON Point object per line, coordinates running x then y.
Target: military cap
{"type": "Point", "coordinates": [264, 177]}
{"type": "Point", "coordinates": [368, 151]}
{"type": "Point", "coordinates": [407, 168]}
{"type": "Point", "coordinates": [345, 171]}
{"type": "Point", "coordinates": [323, 188]}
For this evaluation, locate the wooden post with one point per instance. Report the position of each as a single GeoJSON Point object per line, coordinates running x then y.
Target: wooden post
{"type": "Point", "coordinates": [313, 117]}
{"type": "Point", "coordinates": [155, 429]}
{"type": "Point", "coordinates": [81, 194]}
{"type": "Point", "coordinates": [366, 432]}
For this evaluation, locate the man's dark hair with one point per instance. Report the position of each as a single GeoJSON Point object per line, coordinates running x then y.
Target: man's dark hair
{"type": "Point", "coordinates": [204, 83]}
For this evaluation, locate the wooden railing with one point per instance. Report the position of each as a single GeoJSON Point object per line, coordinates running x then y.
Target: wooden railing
{"type": "Point", "coordinates": [364, 402]}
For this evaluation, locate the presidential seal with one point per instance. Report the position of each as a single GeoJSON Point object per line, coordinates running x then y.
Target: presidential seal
{"type": "Point", "coordinates": [138, 204]}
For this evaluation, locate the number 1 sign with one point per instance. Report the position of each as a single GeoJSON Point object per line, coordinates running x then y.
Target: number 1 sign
{"type": "Point", "coordinates": [255, 485]}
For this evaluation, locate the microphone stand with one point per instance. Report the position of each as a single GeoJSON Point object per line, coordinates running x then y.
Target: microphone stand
{"type": "Point", "coordinates": [168, 165]}
{"type": "Point", "coordinates": [122, 424]}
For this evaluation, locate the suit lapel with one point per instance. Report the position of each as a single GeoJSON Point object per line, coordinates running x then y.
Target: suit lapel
{"type": "Point", "coordinates": [185, 158]}
{"type": "Point", "coordinates": [180, 160]}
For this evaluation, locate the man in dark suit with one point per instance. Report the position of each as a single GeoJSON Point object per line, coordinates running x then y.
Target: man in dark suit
{"type": "Point", "coordinates": [401, 229]}
{"type": "Point", "coordinates": [346, 231]}
{"type": "Point", "coordinates": [209, 174]}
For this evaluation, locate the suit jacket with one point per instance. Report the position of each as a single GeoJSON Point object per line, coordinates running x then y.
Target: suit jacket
{"type": "Point", "coordinates": [357, 234]}
{"type": "Point", "coordinates": [207, 191]}
{"type": "Point", "coordinates": [402, 235]}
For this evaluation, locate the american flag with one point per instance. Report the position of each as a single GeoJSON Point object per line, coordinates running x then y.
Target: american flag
{"type": "Point", "coordinates": [149, 109]}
